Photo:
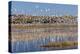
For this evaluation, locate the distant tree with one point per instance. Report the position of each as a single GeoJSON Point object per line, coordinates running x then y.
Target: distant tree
{"type": "Point", "coordinates": [45, 20]}
{"type": "Point", "coordinates": [29, 20]}
{"type": "Point", "coordinates": [17, 20]}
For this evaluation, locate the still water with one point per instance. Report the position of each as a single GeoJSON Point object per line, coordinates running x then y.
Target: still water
{"type": "Point", "coordinates": [34, 45]}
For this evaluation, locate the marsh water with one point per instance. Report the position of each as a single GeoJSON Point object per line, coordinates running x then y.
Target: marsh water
{"type": "Point", "coordinates": [34, 45]}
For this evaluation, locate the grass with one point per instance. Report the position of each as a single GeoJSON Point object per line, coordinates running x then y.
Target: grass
{"type": "Point", "coordinates": [61, 44]}
{"type": "Point", "coordinates": [25, 26]}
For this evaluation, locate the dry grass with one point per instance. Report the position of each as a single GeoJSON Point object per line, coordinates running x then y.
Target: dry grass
{"type": "Point", "coordinates": [61, 44]}
{"type": "Point", "coordinates": [32, 26]}
{"type": "Point", "coordinates": [18, 36]}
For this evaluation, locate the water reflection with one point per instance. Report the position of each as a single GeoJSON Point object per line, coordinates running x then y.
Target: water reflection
{"type": "Point", "coordinates": [34, 45]}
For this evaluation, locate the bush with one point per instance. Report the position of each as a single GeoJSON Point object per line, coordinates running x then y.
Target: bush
{"type": "Point", "coordinates": [29, 21]}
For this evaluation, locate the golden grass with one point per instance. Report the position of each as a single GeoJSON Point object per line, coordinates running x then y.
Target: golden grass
{"type": "Point", "coordinates": [22, 26]}
{"type": "Point", "coordinates": [61, 44]}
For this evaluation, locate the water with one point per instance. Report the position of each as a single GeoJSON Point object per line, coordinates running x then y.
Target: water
{"type": "Point", "coordinates": [34, 45]}
{"type": "Point", "coordinates": [47, 36]}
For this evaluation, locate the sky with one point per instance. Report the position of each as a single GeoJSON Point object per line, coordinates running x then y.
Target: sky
{"type": "Point", "coordinates": [43, 9]}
